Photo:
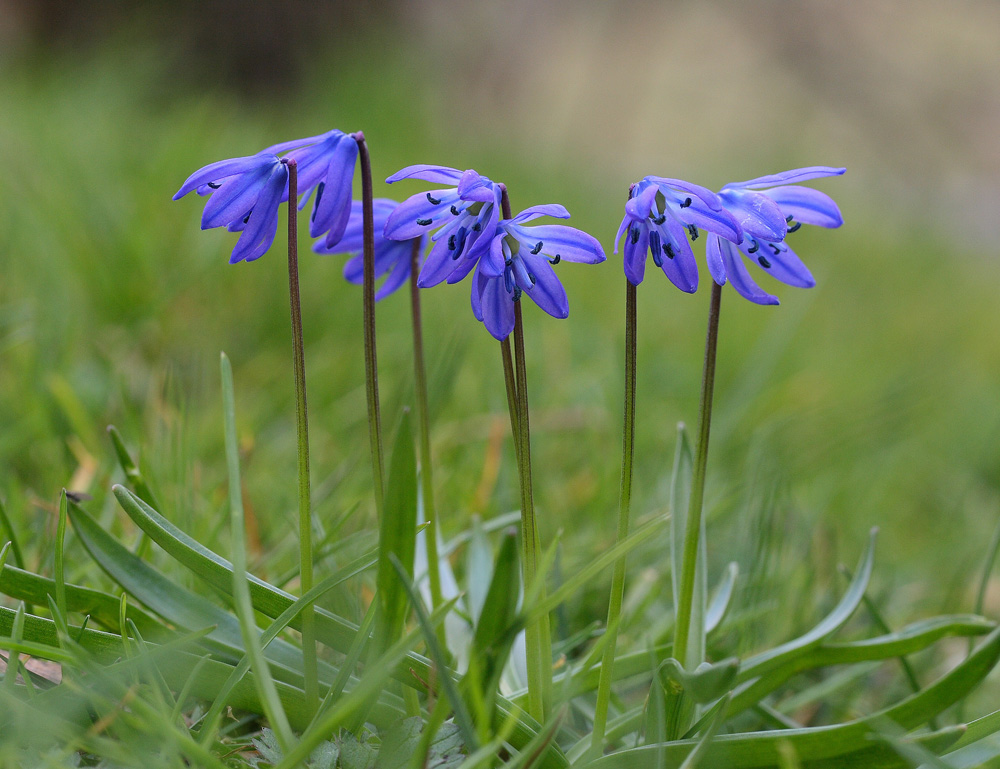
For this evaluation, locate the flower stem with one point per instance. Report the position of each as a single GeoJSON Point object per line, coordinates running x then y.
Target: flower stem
{"type": "Point", "coordinates": [371, 359]}
{"type": "Point", "coordinates": [538, 642]}
{"type": "Point", "coordinates": [423, 423]}
{"type": "Point", "coordinates": [624, 505]}
{"type": "Point", "coordinates": [302, 434]}
{"type": "Point", "coordinates": [692, 527]}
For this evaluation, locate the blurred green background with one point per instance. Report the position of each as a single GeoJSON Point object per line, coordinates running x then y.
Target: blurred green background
{"type": "Point", "coordinates": [871, 399]}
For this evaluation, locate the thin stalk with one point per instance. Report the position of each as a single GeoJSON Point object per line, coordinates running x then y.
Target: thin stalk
{"type": "Point", "coordinates": [624, 506]}
{"type": "Point", "coordinates": [692, 526]}
{"type": "Point", "coordinates": [371, 359]}
{"type": "Point", "coordinates": [510, 381]}
{"type": "Point", "coordinates": [424, 428]}
{"type": "Point", "coordinates": [302, 433]}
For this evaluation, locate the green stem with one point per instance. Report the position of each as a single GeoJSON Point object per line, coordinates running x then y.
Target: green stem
{"type": "Point", "coordinates": [510, 382]}
{"type": "Point", "coordinates": [625, 501]}
{"type": "Point", "coordinates": [371, 359]}
{"type": "Point", "coordinates": [302, 433]}
{"type": "Point", "coordinates": [424, 428]}
{"type": "Point", "coordinates": [692, 527]}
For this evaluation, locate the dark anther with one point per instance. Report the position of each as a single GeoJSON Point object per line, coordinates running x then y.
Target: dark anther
{"type": "Point", "coordinates": [455, 211]}
{"type": "Point", "coordinates": [319, 196]}
{"type": "Point", "coordinates": [693, 230]}
{"type": "Point", "coordinates": [763, 262]}
{"type": "Point", "coordinates": [537, 248]}
{"type": "Point", "coordinates": [477, 226]}
{"type": "Point", "coordinates": [668, 249]}
{"type": "Point", "coordinates": [795, 227]}
{"type": "Point", "coordinates": [634, 234]}
{"type": "Point", "coordinates": [432, 200]}
{"type": "Point", "coordinates": [686, 203]}
{"type": "Point", "coordinates": [247, 217]}
{"type": "Point", "coordinates": [657, 259]}
{"type": "Point", "coordinates": [774, 247]}
{"type": "Point", "coordinates": [531, 278]}
{"type": "Point", "coordinates": [215, 185]}
{"type": "Point", "coordinates": [424, 222]}
{"type": "Point", "coordinates": [660, 219]}
{"type": "Point", "coordinates": [753, 248]}
{"type": "Point", "coordinates": [451, 242]}
{"type": "Point", "coordinates": [555, 259]}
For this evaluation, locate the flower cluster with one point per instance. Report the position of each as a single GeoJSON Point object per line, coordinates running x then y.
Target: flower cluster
{"type": "Point", "coordinates": [244, 193]}
{"type": "Point", "coordinates": [749, 218]}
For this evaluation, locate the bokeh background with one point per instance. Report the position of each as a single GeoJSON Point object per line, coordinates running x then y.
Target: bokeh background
{"type": "Point", "coordinates": [872, 399]}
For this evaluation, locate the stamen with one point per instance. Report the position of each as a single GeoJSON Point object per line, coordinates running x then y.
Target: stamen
{"type": "Point", "coordinates": [532, 279]}
{"type": "Point", "coordinates": [247, 217]}
{"type": "Point", "coordinates": [555, 260]}
{"type": "Point", "coordinates": [424, 222]}
{"type": "Point", "coordinates": [774, 247]}
{"type": "Point", "coordinates": [686, 203]}
{"type": "Point", "coordinates": [763, 262]}
{"type": "Point", "coordinates": [319, 196]}
{"type": "Point", "coordinates": [455, 211]}
{"type": "Point", "coordinates": [432, 200]}
{"type": "Point", "coordinates": [795, 227]}
{"type": "Point", "coordinates": [693, 231]}
{"type": "Point", "coordinates": [451, 243]}
{"type": "Point", "coordinates": [477, 226]}
{"type": "Point", "coordinates": [753, 248]}
{"type": "Point", "coordinates": [537, 248]}
{"type": "Point", "coordinates": [215, 185]}
{"type": "Point", "coordinates": [654, 248]}
{"type": "Point", "coordinates": [634, 234]}
{"type": "Point", "coordinates": [508, 279]}
{"type": "Point", "coordinates": [668, 249]}
{"type": "Point", "coordinates": [659, 219]}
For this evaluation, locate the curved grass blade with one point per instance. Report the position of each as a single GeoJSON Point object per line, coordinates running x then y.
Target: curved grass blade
{"type": "Point", "coordinates": [11, 536]}
{"type": "Point", "coordinates": [718, 607]}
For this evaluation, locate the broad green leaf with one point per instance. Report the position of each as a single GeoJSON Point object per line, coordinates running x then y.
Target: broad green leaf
{"type": "Point", "coordinates": [680, 493]}
{"type": "Point", "coordinates": [760, 749]}
{"type": "Point", "coordinates": [401, 741]}
{"type": "Point", "coordinates": [397, 539]}
{"type": "Point", "coordinates": [708, 682]}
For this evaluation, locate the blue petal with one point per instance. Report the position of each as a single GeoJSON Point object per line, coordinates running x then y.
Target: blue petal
{"type": "Point", "coordinates": [756, 214]}
{"type": "Point", "coordinates": [622, 229]}
{"type": "Point", "coordinates": [640, 206]}
{"type": "Point", "coordinates": [740, 278]}
{"type": "Point", "coordinates": [473, 186]}
{"type": "Point", "coordinates": [568, 243]}
{"type": "Point", "coordinates": [463, 267]}
{"type": "Point", "coordinates": [263, 223]}
{"type": "Point", "coordinates": [479, 242]}
{"type": "Point", "coordinates": [439, 265]}
{"type": "Point", "coordinates": [713, 257]}
{"type": "Point", "coordinates": [395, 279]}
{"type": "Point", "coordinates": [222, 169]}
{"type": "Point", "coordinates": [720, 222]}
{"type": "Point", "coordinates": [708, 197]}
{"type": "Point", "coordinates": [332, 209]}
{"type": "Point", "coordinates": [547, 292]}
{"type": "Point", "coordinates": [785, 265]}
{"type": "Point", "coordinates": [635, 254]}
{"type": "Point", "coordinates": [433, 174]}
{"type": "Point", "coordinates": [236, 197]}
{"type": "Point", "coordinates": [790, 177]}
{"type": "Point", "coordinates": [402, 223]}
{"type": "Point", "coordinates": [807, 205]}
{"type": "Point", "coordinates": [491, 263]}
{"type": "Point", "coordinates": [682, 270]}
{"type": "Point", "coordinates": [495, 306]}
{"type": "Point", "coordinates": [554, 210]}
{"type": "Point", "coordinates": [277, 149]}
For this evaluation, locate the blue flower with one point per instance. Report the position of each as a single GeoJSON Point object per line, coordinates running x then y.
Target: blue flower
{"type": "Point", "coordinates": [245, 192]}
{"type": "Point", "coordinates": [660, 215]}
{"type": "Point", "coordinates": [326, 165]}
{"type": "Point", "coordinates": [519, 262]}
{"type": "Point", "coordinates": [392, 257]}
{"type": "Point", "coordinates": [465, 217]}
{"type": "Point", "coordinates": [767, 209]}
{"type": "Point", "coordinates": [245, 195]}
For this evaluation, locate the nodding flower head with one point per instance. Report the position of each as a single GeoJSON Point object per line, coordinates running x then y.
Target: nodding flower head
{"type": "Point", "coordinates": [246, 192]}
{"type": "Point", "coordinates": [463, 218]}
{"type": "Point", "coordinates": [660, 215]}
{"type": "Point", "coordinates": [393, 258]}
{"type": "Point", "coordinates": [519, 263]}
{"type": "Point", "coordinates": [769, 209]}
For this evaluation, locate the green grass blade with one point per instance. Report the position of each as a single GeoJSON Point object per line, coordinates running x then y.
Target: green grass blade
{"type": "Point", "coordinates": [59, 571]}
{"type": "Point", "coordinates": [241, 592]}
{"type": "Point", "coordinates": [11, 536]}
{"type": "Point", "coordinates": [718, 607]}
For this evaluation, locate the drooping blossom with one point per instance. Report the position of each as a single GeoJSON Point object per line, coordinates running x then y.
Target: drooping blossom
{"type": "Point", "coordinates": [519, 263]}
{"type": "Point", "coordinates": [245, 192]}
{"type": "Point", "coordinates": [392, 257]}
{"type": "Point", "coordinates": [660, 215]}
{"type": "Point", "coordinates": [768, 209]}
{"type": "Point", "coordinates": [464, 216]}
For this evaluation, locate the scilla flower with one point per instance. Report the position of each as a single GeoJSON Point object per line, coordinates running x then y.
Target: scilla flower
{"type": "Point", "coordinates": [465, 217]}
{"type": "Point", "coordinates": [769, 208]}
{"type": "Point", "coordinates": [519, 262]}
{"type": "Point", "coordinates": [392, 257]}
{"type": "Point", "coordinates": [660, 215]}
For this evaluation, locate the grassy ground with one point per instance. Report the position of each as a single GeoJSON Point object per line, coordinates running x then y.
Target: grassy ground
{"type": "Point", "coordinates": [869, 400]}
